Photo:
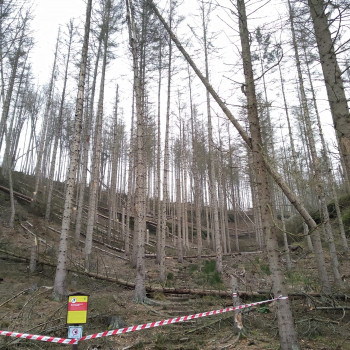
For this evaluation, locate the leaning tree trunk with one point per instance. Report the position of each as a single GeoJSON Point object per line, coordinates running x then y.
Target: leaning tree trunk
{"type": "Point", "coordinates": [323, 276]}
{"type": "Point", "coordinates": [11, 84]}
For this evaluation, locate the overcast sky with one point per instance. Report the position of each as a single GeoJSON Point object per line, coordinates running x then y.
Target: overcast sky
{"type": "Point", "coordinates": [48, 16]}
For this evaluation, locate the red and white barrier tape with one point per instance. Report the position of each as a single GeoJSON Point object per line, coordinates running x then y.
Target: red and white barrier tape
{"type": "Point", "coordinates": [134, 328]}
{"type": "Point", "coordinates": [39, 337]}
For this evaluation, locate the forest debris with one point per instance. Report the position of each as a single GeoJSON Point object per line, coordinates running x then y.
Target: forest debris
{"type": "Point", "coordinates": [15, 296]}
{"type": "Point", "coordinates": [167, 290]}
{"type": "Point", "coordinates": [35, 235]}
{"type": "Point", "coordinates": [332, 308]}
{"type": "Point", "coordinates": [17, 194]}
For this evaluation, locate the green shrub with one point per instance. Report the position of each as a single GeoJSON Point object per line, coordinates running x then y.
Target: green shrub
{"type": "Point", "coordinates": [264, 309]}
{"type": "Point", "coordinates": [206, 274]}
{"type": "Point", "coordinates": [211, 275]}
{"type": "Point", "coordinates": [266, 269]}
{"type": "Point", "coordinates": [209, 266]}
{"type": "Point", "coordinates": [344, 201]}
{"type": "Point", "coordinates": [294, 225]}
{"type": "Point", "coordinates": [346, 217]}
{"type": "Point", "coordinates": [193, 268]}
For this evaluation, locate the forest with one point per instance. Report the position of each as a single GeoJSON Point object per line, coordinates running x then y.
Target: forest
{"type": "Point", "coordinates": [180, 148]}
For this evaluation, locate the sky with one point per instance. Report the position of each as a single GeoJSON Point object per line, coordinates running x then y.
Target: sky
{"type": "Point", "coordinates": [48, 16]}
{"type": "Point", "coordinates": [225, 65]}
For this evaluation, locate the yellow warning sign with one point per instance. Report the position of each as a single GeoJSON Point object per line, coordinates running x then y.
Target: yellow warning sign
{"type": "Point", "coordinates": [77, 309]}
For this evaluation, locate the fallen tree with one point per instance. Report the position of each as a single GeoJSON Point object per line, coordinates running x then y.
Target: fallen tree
{"type": "Point", "coordinates": [17, 194]}
{"type": "Point", "coordinates": [170, 290]}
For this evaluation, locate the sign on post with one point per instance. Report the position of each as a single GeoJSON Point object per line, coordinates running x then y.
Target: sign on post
{"type": "Point", "coordinates": [77, 309]}
{"type": "Point", "coordinates": [75, 332]}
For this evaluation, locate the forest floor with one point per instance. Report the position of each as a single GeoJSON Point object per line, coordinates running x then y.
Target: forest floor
{"type": "Point", "coordinates": [27, 305]}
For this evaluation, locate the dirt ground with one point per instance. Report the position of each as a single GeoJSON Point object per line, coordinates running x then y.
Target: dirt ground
{"type": "Point", "coordinates": [27, 305]}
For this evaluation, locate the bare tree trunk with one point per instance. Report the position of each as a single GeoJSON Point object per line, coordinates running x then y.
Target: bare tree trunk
{"type": "Point", "coordinates": [294, 156]}
{"type": "Point", "coordinates": [195, 171]}
{"type": "Point", "coordinates": [86, 145]}
{"type": "Point", "coordinates": [259, 234]}
{"type": "Point", "coordinates": [316, 164]}
{"type": "Point", "coordinates": [43, 135]}
{"type": "Point", "coordinates": [130, 186]}
{"type": "Point", "coordinates": [94, 184]}
{"type": "Point", "coordinates": [61, 270]}
{"type": "Point", "coordinates": [165, 199]}
{"type": "Point", "coordinates": [333, 78]}
{"type": "Point", "coordinates": [211, 166]}
{"type": "Point", "coordinates": [140, 195]}
{"type": "Point", "coordinates": [287, 333]}
{"type": "Point", "coordinates": [207, 223]}
{"type": "Point", "coordinates": [323, 276]}
{"type": "Point", "coordinates": [58, 129]}
{"type": "Point", "coordinates": [11, 84]}
{"type": "Point", "coordinates": [285, 238]}
{"type": "Point", "coordinates": [327, 161]}
{"type": "Point", "coordinates": [159, 156]}
{"type": "Point", "coordinates": [112, 195]}
{"type": "Point", "coordinates": [178, 220]}
{"type": "Point", "coordinates": [183, 177]}
{"type": "Point", "coordinates": [233, 192]}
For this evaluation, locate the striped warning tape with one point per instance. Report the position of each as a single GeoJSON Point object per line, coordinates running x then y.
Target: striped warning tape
{"type": "Point", "coordinates": [134, 328]}
{"type": "Point", "coordinates": [39, 337]}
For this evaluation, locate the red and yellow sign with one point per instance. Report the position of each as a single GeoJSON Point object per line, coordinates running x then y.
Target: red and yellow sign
{"type": "Point", "coordinates": [77, 309]}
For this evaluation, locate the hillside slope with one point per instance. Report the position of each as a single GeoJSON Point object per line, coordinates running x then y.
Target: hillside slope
{"type": "Point", "coordinates": [27, 305]}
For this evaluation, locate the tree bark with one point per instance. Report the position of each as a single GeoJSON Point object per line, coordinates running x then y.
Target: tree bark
{"type": "Point", "coordinates": [38, 168]}
{"type": "Point", "coordinates": [165, 199]}
{"type": "Point", "coordinates": [315, 166]}
{"type": "Point", "coordinates": [211, 161]}
{"type": "Point", "coordinates": [333, 79]}
{"type": "Point", "coordinates": [323, 276]}
{"type": "Point", "coordinates": [61, 270]}
{"type": "Point", "coordinates": [58, 128]}
{"type": "Point", "coordinates": [112, 216]}
{"type": "Point", "coordinates": [140, 195]}
{"type": "Point", "coordinates": [287, 333]}
{"type": "Point", "coordinates": [96, 164]}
